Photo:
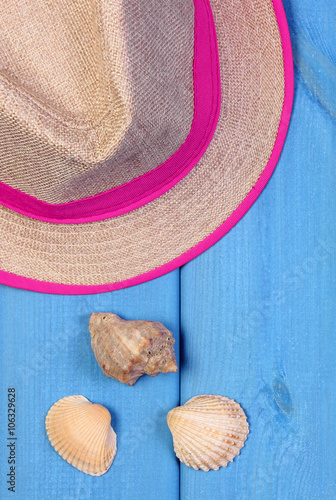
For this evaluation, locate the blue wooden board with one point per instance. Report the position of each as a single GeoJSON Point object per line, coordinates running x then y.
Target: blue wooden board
{"type": "Point", "coordinates": [46, 355]}
{"type": "Point", "coordinates": [258, 309]}
{"type": "Point", "coordinates": [253, 317]}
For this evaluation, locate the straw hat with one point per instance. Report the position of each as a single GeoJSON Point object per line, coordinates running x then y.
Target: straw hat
{"type": "Point", "coordinates": [133, 134]}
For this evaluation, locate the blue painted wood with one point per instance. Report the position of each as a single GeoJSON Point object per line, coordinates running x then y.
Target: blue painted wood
{"type": "Point", "coordinates": [257, 319]}
{"type": "Point", "coordinates": [258, 309]}
{"type": "Point", "coordinates": [46, 355]}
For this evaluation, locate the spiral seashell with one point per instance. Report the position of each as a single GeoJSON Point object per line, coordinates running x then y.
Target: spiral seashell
{"type": "Point", "coordinates": [125, 350]}
{"type": "Point", "coordinates": [208, 431]}
{"type": "Point", "coordinates": [81, 433]}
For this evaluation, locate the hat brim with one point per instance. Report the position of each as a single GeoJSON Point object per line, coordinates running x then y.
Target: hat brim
{"type": "Point", "coordinates": [257, 93]}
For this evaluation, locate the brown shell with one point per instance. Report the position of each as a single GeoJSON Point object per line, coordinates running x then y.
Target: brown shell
{"type": "Point", "coordinates": [125, 350]}
{"type": "Point", "coordinates": [81, 433]}
{"type": "Point", "coordinates": [208, 431]}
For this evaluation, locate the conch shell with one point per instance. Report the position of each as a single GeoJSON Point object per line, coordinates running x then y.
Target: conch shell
{"type": "Point", "coordinates": [125, 350]}
{"type": "Point", "coordinates": [208, 431]}
{"type": "Point", "coordinates": [81, 433]}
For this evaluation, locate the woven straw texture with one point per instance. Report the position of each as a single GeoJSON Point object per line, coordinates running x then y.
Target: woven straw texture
{"type": "Point", "coordinates": [110, 251]}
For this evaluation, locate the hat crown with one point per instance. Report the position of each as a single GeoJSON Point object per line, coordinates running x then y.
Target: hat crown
{"type": "Point", "coordinates": [89, 90]}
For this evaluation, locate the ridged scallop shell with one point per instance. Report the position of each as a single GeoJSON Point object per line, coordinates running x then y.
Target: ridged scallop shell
{"type": "Point", "coordinates": [208, 431]}
{"type": "Point", "coordinates": [125, 350]}
{"type": "Point", "coordinates": [81, 433]}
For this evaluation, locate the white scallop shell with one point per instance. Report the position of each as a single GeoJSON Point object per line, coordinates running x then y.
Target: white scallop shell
{"type": "Point", "coordinates": [208, 431]}
{"type": "Point", "coordinates": [81, 433]}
